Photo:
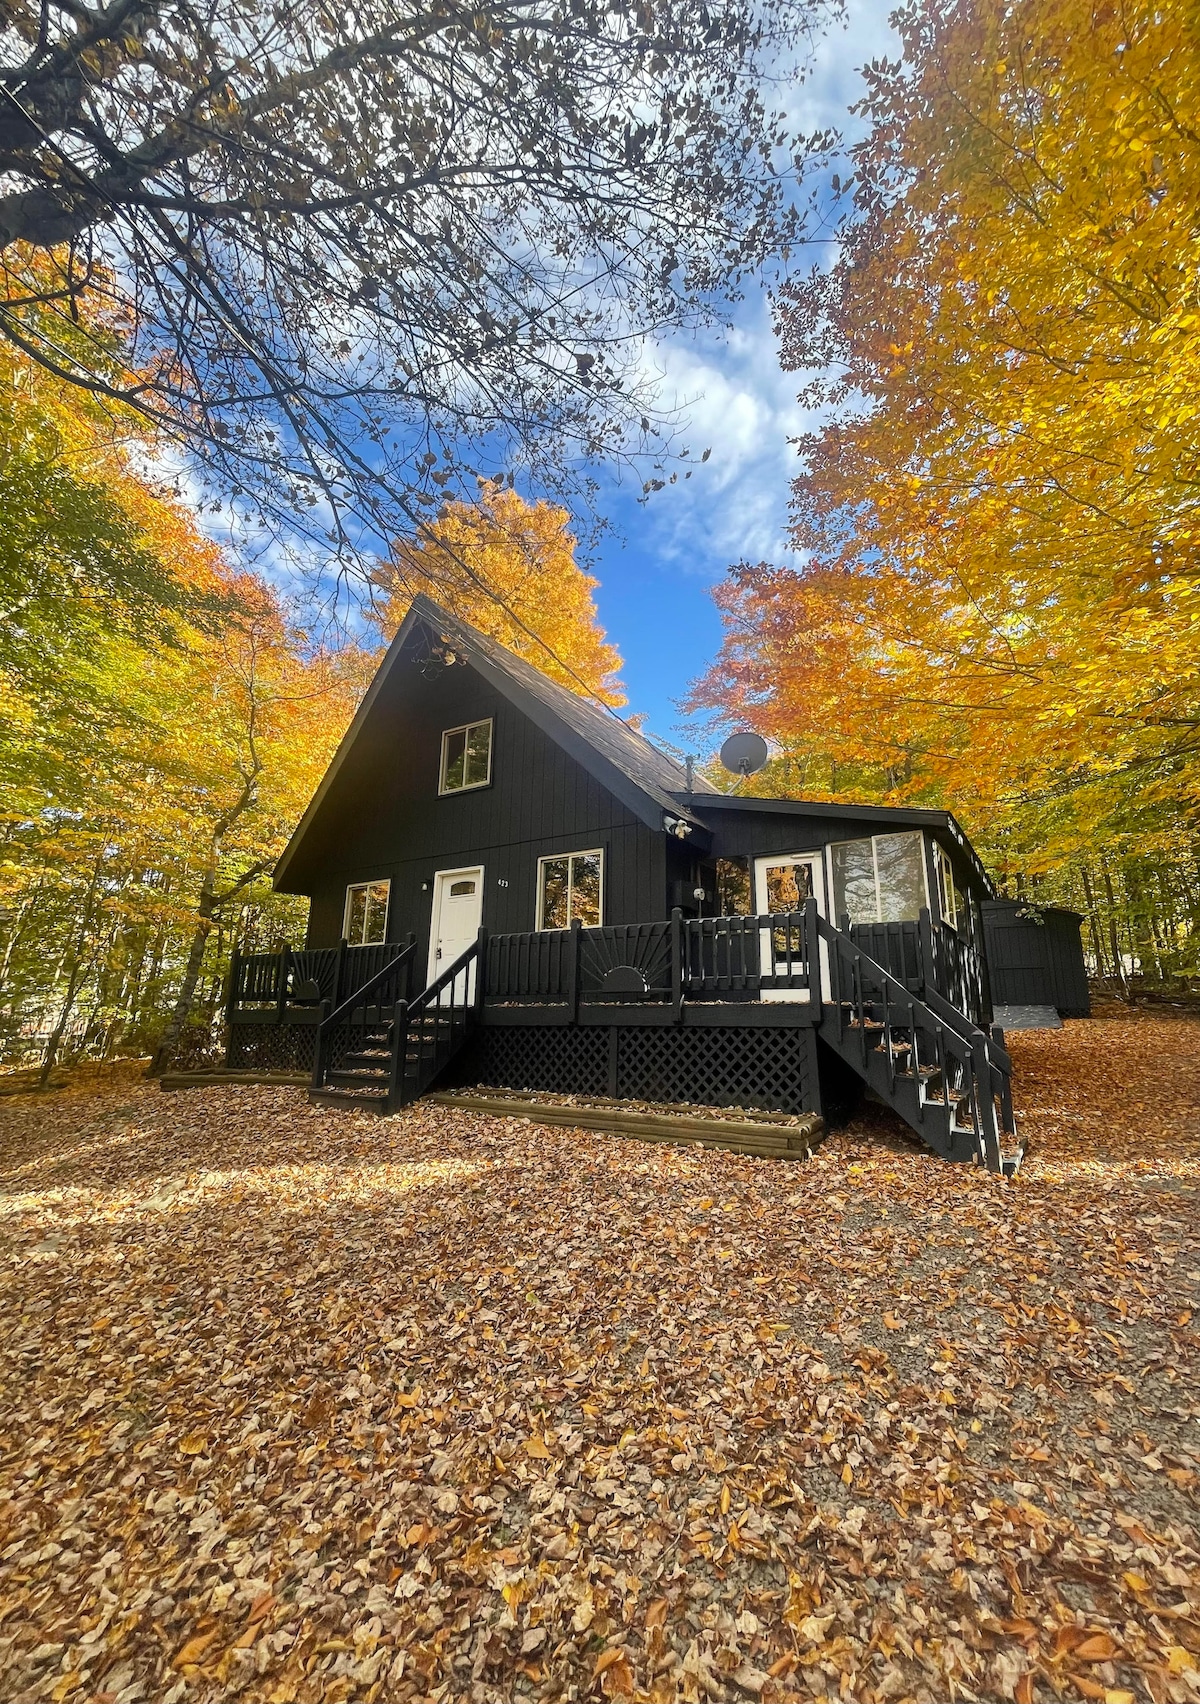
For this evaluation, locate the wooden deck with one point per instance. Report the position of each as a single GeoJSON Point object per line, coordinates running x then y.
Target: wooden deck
{"type": "Point", "coordinates": [778, 1011]}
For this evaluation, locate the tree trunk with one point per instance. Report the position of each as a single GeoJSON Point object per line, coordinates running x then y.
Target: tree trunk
{"type": "Point", "coordinates": [1094, 925]}
{"type": "Point", "coordinates": [165, 1051]}
{"type": "Point", "coordinates": [1113, 935]}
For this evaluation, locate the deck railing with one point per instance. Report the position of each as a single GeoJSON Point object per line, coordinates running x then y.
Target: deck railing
{"type": "Point", "coordinates": [259, 982]}
{"type": "Point", "coordinates": [680, 958]}
{"type": "Point", "coordinates": [537, 965]}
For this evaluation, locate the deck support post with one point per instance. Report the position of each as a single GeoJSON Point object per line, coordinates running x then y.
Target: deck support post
{"type": "Point", "coordinates": [318, 1070]}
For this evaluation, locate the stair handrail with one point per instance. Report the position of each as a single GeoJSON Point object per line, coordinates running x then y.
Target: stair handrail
{"type": "Point", "coordinates": [360, 998]}
{"type": "Point", "coordinates": [975, 1049]}
{"type": "Point", "coordinates": [438, 985]}
{"type": "Point", "coordinates": [402, 1028]}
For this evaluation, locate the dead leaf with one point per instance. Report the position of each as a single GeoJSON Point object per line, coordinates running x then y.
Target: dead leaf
{"type": "Point", "coordinates": [1098, 1648]}
{"type": "Point", "coordinates": [195, 1647]}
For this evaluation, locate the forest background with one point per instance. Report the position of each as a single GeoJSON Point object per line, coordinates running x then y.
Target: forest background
{"type": "Point", "coordinates": [996, 608]}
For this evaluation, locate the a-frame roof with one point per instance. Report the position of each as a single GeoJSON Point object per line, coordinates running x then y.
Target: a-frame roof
{"type": "Point", "coordinates": [645, 779]}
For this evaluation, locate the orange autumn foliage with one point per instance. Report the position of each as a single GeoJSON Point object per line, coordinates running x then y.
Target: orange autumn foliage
{"type": "Point", "coordinates": [508, 567]}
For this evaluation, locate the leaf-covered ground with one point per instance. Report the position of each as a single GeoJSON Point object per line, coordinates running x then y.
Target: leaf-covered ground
{"type": "Point", "coordinates": [301, 1406]}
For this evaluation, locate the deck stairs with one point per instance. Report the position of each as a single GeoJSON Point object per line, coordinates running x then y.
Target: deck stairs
{"type": "Point", "coordinates": [363, 1078]}
{"type": "Point", "coordinates": [948, 1079]}
{"type": "Point", "coordinates": [379, 1051]}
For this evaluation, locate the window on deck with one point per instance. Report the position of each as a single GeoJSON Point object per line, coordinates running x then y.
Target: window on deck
{"type": "Point", "coordinates": [880, 879]}
{"type": "Point", "coordinates": [466, 757]}
{"type": "Point", "coordinates": [365, 919]}
{"type": "Point", "coordinates": [734, 895]}
{"type": "Point", "coordinates": [570, 889]}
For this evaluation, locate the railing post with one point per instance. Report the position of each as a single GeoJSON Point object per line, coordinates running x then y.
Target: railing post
{"type": "Point", "coordinates": [318, 1071]}
{"type": "Point", "coordinates": [235, 972]}
{"type": "Point", "coordinates": [812, 953]}
{"type": "Point", "coordinates": [981, 1070]}
{"type": "Point", "coordinates": [285, 965]}
{"type": "Point", "coordinates": [928, 969]}
{"type": "Point", "coordinates": [480, 969]}
{"type": "Point", "coordinates": [573, 969]}
{"type": "Point", "coordinates": [410, 940]}
{"type": "Point", "coordinates": [398, 1056]}
{"type": "Point", "coordinates": [677, 963]}
{"type": "Point", "coordinates": [339, 974]}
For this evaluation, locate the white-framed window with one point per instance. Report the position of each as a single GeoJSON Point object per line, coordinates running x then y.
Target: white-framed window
{"type": "Point", "coordinates": [570, 888]}
{"type": "Point", "coordinates": [365, 918]}
{"type": "Point", "coordinates": [466, 757]}
{"type": "Point", "coordinates": [879, 879]}
{"type": "Point", "coordinates": [947, 895]}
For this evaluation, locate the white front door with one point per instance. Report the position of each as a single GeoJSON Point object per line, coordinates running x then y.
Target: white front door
{"type": "Point", "coordinates": [457, 915]}
{"type": "Point", "coordinates": [784, 882]}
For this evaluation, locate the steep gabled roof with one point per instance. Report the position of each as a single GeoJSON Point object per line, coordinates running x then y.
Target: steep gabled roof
{"type": "Point", "coordinates": [645, 779]}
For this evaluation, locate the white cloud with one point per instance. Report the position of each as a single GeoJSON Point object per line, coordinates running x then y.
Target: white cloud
{"type": "Point", "coordinates": [742, 407]}
{"type": "Point", "coordinates": [729, 388]}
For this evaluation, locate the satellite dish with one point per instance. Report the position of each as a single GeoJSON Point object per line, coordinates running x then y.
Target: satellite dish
{"type": "Point", "coordinates": [743, 754]}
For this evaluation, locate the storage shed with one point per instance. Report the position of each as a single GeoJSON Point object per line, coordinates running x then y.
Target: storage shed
{"type": "Point", "coordinates": [1035, 956]}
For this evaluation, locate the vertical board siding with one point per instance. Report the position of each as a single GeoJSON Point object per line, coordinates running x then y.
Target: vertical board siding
{"type": "Point", "coordinates": [1036, 964]}
{"type": "Point", "coordinates": [389, 821]}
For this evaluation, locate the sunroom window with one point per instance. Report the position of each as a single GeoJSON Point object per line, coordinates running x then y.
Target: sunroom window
{"type": "Point", "coordinates": [466, 757]}
{"type": "Point", "coordinates": [880, 879]}
{"type": "Point", "coordinates": [948, 897]}
{"type": "Point", "coordinates": [570, 889]}
{"type": "Point", "coordinates": [365, 920]}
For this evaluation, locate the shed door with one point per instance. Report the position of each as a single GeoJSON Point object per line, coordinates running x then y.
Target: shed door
{"type": "Point", "coordinates": [783, 883]}
{"type": "Point", "coordinates": [457, 915]}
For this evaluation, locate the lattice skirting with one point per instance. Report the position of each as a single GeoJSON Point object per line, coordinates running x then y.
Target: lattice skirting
{"type": "Point", "coordinates": [270, 1047]}
{"type": "Point", "coordinates": [766, 1068]}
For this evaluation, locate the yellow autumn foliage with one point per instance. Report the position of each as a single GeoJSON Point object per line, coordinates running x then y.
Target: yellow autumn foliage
{"type": "Point", "coordinates": [998, 607]}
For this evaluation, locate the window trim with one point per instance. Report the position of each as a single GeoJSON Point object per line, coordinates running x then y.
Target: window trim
{"type": "Point", "coordinates": [355, 887]}
{"type": "Point", "coordinates": [488, 722]}
{"type": "Point", "coordinates": [539, 891]}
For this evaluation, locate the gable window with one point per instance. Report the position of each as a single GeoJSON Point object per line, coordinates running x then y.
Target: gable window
{"type": "Point", "coordinates": [569, 889]}
{"type": "Point", "coordinates": [879, 880]}
{"type": "Point", "coordinates": [466, 757]}
{"type": "Point", "coordinates": [365, 920]}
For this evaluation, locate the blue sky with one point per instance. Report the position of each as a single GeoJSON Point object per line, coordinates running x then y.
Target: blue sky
{"type": "Point", "coordinates": [658, 564]}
